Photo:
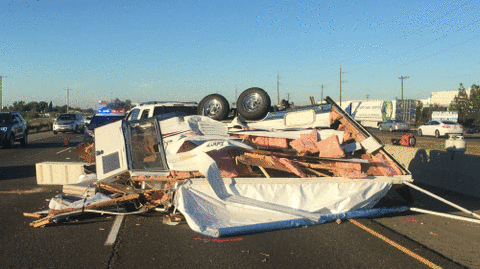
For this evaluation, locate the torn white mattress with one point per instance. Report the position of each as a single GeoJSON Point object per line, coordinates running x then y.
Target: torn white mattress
{"type": "Point", "coordinates": [293, 202]}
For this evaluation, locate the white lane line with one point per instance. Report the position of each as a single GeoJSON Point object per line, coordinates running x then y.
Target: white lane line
{"type": "Point", "coordinates": [114, 232]}
{"type": "Point", "coordinates": [64, 150]}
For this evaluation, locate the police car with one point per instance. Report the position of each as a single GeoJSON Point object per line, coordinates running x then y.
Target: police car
{"type": "Point", "coordinates": [106, 113]}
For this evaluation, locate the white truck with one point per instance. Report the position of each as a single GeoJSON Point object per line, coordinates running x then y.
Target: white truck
{"type": "Point", "coordinates": [371, 112]}
{"type": "Point", "coordinates": [445, 115]}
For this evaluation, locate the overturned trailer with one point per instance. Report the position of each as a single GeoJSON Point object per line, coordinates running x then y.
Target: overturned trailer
{"type": "Point", "coordinates": [288, 170]}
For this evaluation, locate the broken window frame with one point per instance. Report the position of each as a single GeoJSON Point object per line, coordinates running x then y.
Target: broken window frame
{"type": "Point", "coordinates": [157, 146]}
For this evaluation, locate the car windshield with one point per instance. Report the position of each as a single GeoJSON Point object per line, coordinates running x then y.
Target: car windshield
{"type": "Point", "coordinates": [4, 118]}
{"type": "Point", "coordinates": [67, 117]}
{"type": "Point", "coordinates": [448, 122]}
{"type": "Point", "coordinates": [98, 121]}
{"type": "Point", "coordinates": [399, 121]}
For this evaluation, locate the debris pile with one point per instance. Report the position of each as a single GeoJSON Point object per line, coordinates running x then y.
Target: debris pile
{"type": "Point", "coordinates": [195, 149]}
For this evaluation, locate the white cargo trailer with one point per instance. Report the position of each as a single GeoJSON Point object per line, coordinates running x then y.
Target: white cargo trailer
{"type": "Point", "coordinates": [370, 113]}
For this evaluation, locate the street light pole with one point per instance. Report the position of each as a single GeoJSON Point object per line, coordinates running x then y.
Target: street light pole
{"type": "Point", "coordinates": [321, 99]}
{"type": "Point", "coordinates": [68, 98]}
{"type": "Point", "coordinates": [341, 84]}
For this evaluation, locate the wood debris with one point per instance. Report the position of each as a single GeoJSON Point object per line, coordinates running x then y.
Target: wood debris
{"type": "Point", "coordinates": [304, 157]}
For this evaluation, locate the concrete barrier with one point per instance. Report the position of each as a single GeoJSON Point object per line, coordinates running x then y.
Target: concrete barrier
{"type": "Point", "coordinates": [450, 170]}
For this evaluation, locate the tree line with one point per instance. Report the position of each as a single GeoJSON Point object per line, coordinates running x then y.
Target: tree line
{"type": "Point", "coordinates": [40, 109]}
{"type": "Point", "coordinates": [468, 106]}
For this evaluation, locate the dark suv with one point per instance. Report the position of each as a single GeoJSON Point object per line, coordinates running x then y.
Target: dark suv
{"type": "Point", "coordinates": [12, 128]}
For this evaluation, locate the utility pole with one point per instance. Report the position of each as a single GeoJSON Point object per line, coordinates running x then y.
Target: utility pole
{"type": "Point", "coordinates": [321, 99]}
{"type": "Point", "coordinates": [341, 84]}
{"type": "Point", "coordinates": [68, 97]}
{"type": "Point", "coordinates": [1, 99]}
{"type": "Point", "coordinates": [278, 90]}
{"type": "Point", "coordinates": [402, 78]}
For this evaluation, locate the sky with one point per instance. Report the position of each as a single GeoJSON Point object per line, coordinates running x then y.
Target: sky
{"type": "Point", "coordinates": [184, 50]}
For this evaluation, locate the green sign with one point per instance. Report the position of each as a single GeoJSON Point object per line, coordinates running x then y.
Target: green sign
{"type": "Point", "coordinates": [387, 110]}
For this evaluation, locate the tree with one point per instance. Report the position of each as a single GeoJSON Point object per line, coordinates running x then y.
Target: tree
{"type": "Point", "coordinates": [42, 107]}
{"type": "Point", "coordinates": [468, 107]}
{"type": "Point", "coordinates": [474, 113]}
{"type": "Point", "coordinates": [31, 106]}
{"type": "Point", "coordinates": [128, 104]}
{"type": "Point", "coordinates": [18, 106]}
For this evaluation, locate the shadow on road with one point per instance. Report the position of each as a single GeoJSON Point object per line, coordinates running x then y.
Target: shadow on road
{"type": "Point", "coordinates": [452, 176]}
{"type": "Point", "coordinates": [17, 172]}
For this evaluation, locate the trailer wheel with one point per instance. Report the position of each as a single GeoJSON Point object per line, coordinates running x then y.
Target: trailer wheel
{"type": "Point", "coordinates": [253, 104]}
{"type": "Point", "coordinates": [214, 106]}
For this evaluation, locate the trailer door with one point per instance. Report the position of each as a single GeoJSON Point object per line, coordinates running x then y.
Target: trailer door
{"type": "Point", "coordinates": [110, 153]}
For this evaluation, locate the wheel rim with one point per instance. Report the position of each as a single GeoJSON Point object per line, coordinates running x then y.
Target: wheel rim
{"type": "Point", "coordinates": [212, 108]}
{"type": "Point", "coordinates": [12, 142]}
{"type": "Point", "coordinates": [252, 102]}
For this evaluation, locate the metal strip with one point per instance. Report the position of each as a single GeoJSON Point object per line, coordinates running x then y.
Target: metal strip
{"type": "Point", "coordinates": [442, 200]}
{"type": "Point", "coordinates": [114, 232]}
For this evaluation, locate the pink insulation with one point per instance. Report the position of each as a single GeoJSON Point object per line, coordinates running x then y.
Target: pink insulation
{"type": "Point", "coordinates": [292, 167]}
{"type": "Point", "coordinates": [225, 163]}
{"type": "Point", "coordinates": [306, 143]}
{"type": "Point", "coordinates": [330, 148]}
{"type": "Point", "coordinates": [350, 170]}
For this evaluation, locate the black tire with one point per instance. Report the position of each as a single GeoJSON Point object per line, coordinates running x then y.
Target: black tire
{"type": "Point", "coordinates": [253, 104]}
{"type": "Point", "coordinates": [10, 142]}
{"type": "Point", "coordinates": [391, 129]}
{"type": "Point", "coordinates": [77, 129]}
{"type": "Point", "coordinates": [380, 128]}
{"type": "Point", "coordinates": [437, 134]}
{"type": "Point", "coordinates": [24, 140]}
{"type": "Point", "coordinates": [214, 106]}
{"type": "Point", "coordinates": [412, 141]}
{"type": "Point", "coordinates": [420, 132]}
{"type": "Point", "coordinates": [54, 132]}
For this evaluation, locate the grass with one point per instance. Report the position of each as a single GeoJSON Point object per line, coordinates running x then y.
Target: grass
{"type": "Point", "coordinates": [37, 125]}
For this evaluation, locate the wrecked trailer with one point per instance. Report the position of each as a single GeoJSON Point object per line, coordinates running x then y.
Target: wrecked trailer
{"type": "Point", "coordinates": [243, 178]}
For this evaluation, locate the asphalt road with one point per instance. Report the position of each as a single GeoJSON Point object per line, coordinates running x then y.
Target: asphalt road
{"type": "Point", "coordinates": [408, 240]}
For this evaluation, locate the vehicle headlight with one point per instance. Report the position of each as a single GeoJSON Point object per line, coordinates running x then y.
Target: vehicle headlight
{"type": "Point", "coordinates": [3, 129]}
